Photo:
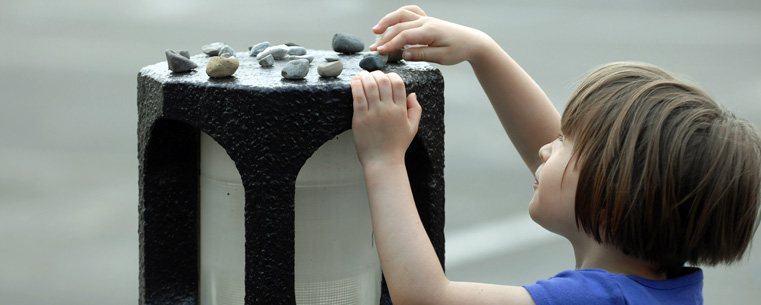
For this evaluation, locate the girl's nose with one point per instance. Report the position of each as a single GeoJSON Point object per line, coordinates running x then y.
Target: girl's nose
{"type": "Point", "coordinates": [545, 151]}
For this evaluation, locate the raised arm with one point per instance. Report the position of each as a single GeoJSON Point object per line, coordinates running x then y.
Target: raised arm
{"type": "Point", "coordinates": [384, 124]}
{"type": "Point", "coordinates": [526, 114]}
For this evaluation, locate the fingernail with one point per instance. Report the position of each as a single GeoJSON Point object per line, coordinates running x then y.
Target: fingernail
{"type": "Point", "coordinates": [381, 48]}
{"type": "Point", "coordinates": [376, 27]}
{"type": "Point", "coordinates": [408, 55]}
{"type": "Point", "coordinates": [372, 46]}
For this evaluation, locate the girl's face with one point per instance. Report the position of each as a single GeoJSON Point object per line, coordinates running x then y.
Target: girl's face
{"type": "Point", "coordinates": [553, 205]}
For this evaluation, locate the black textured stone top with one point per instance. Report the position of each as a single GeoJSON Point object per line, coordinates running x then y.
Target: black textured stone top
{"type": "Point", "coordinates": [250, 73]}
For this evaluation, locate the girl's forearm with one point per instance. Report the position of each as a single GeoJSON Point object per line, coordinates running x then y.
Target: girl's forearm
{"type": "Point", "coordinates": [409, 262]}
{"type": "Point", "coordinates": [524, 110]}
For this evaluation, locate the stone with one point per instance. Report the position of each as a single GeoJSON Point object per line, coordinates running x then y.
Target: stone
{"type": "Point", "coordinates": [396, 56]}
{"type": "Point", "coordinates": [178, 62]}
{"type": "Point", "coordinates": [330, 69]}
{"type": "Point", "coordinates": [373, 62]}
{"type": "Point", "coordinates": [383, 57]}
{"type": "Point", "coordinates": [310, 58]}
{"type": "Point", "coordinates": [291, 44]}
{"type": "Point", "coordinates": [212, 49]}
{"type": "Point", "coordinates": [267, 61]}
{"type": "Point", "coordinates": [258, 48]}
{"type": "Point", "coordinates": [297, 50]}
{"type": "Point", "coordinates": [347, 43]}
{"type": "Point", "coordinates": [296, 69]}
{"type": "Point", "coordinates": [184, 53]}
{"type": "Point", "coordinates": [226, 51]}
{"type": "Point", "coordinates": [277, 52]}
{"type": "Point", "coordinates": [219, 67]}
{"type": "Point", "coordinates": [331, 57]}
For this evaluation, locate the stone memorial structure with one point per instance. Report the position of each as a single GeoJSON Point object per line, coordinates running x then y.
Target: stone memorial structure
{"type": "Point", "coordinates": [269, 126]}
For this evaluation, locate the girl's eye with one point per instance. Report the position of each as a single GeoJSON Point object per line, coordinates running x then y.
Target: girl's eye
{"type": "Point", "coordinates": [560, 138]}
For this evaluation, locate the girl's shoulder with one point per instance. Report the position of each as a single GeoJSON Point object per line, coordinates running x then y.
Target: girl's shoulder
{"type": "Point", "coordinates": [597, 286]}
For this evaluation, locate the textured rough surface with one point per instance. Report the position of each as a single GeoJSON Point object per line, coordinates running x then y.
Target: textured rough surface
{"type": "Point", "coordinates": [270, 127]}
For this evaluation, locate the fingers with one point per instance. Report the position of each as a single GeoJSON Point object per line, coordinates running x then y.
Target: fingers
{"type": "Point", "coordinates": [413, 33]}
{"type": "Point", "coordinates": [397, 86]}
{"type": "Point", "coordinates": [358, 94]}
{"type": "Point", "coordinates": [429, 54]}
{"type": "Point", "coordinates": [385, 92]}
{"type": "Point", "coordinates": [377, 87]}
{"type": "Point", "coordinates": [403, 14]}
{"type": "Point", "coordinates": [415, 9]}
{"type": "Point", "coordinates": [370, 86]}
{"type": "Point", "coordinates": [414, 111]}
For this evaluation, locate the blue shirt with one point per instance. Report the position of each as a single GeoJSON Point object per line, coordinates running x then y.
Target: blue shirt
{"type": "Point", "coordinates": [596, 286]}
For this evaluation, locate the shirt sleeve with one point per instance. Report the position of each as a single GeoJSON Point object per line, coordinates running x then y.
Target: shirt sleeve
{"type": "Point", "coordinates": [576, 287]}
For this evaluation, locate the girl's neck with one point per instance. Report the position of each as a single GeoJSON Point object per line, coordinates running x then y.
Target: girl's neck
{"type": "Point", "coordinates": [592, 255]}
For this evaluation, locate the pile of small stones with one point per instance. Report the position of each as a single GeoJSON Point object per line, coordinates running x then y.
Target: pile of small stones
{"type": "Point", "coordinates": [223, 61]}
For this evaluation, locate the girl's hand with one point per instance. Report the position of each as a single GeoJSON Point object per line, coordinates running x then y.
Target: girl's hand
{"type": "Point", "coordinates": [443, 42]}
{"type": "Point", "coordinates": [385, 118]}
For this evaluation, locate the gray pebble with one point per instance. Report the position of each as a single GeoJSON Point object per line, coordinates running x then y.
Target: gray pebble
{"type": "Point", "coordinates": [226, 51]}
{"type": "Point", "coordinates": [371, 63]}
{"type": "Point", "coordinates": [291, 44]}
{"type": "Point", "coordinates": [296, 69]}
{"type": "Point", "coordinates": [331, 57]}
{"type": "Point", "coordinates": [277, 52]}
{"type": "Point", "coordinates": [330, 69]}
{"type": "Point", "coordinates": [222, 66]}
{"type": "Point", "coordinates": [396, 56]}
{"type": "Point", "coordinates": [184, 53]}
{"type": "Point", "coordinates": [297, 50]}
{"type": "Point", "coordinates": [347, 43]}
{"type": "Point", "coordinates": [310, 58]}
{"type": "Point", "coordinates": [212, 49]}
{"type": "Point", "coordinates": [267, 61]}
{"type": "Point", "coordinates": [258, 48]}
{"type": "Point", "coordinates": [383, 57]}
{"type": "Point", "coordinates": [179, 63]}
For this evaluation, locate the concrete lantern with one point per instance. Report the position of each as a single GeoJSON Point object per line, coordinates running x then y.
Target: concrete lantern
{"type": "Point", "coordinates": [250, 190]}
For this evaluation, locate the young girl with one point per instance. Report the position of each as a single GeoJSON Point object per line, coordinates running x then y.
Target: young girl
{"type": "Point", "coordinates": [643, 173]}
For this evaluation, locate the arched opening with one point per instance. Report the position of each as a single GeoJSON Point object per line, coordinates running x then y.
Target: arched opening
{"type": "Point", "coordinates": [336, 261]}
{"type": "Point", "coordinates": [222, 227]}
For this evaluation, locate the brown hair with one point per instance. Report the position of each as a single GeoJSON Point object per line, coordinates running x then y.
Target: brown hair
{"type": "Point", "coordinates": [665, 173]}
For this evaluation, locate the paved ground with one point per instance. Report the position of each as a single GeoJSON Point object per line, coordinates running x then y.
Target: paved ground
{"type": "Point", "coordinates": [68, 172]}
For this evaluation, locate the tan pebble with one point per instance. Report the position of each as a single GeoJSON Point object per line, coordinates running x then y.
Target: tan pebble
{"type": "Point", "coordinates": [330, 69]}
{"type": "Point", "coordinates": [222, 67]}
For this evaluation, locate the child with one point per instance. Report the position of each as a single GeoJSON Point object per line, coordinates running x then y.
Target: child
{"type": "Point", "coordinates": [642, 174]}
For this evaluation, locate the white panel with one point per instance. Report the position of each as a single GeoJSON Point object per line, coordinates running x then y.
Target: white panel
{"type": "Point", "coordinates": [222, 237]}
{"type": "Point", "coordinates": [336, 260]}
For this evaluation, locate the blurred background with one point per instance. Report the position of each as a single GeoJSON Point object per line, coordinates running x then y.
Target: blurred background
{"type": "Point", "coordinates": [69, 170]}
